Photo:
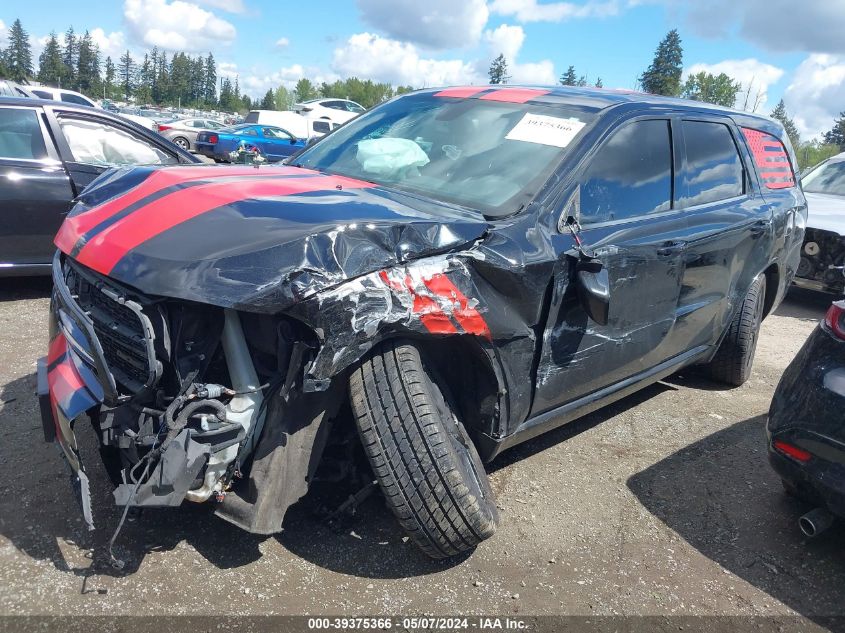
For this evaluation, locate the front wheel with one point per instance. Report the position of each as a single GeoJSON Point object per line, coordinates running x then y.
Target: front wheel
{"type": "Point", "coordinates": [426, 465]}
{"type": "Point", "coordinates": [735, 357]}
{"type": "Point", "coordinates": [182, 142]}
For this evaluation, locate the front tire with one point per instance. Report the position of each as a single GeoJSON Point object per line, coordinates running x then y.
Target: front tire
{"type": "Point", "coordinates": [426, 465]}
{"type": "Point", "coordinates": [733, 361]}
{"type": "Point", "coordinates": [183, 143]}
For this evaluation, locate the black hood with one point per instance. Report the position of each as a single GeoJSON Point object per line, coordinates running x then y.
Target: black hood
{"type": "Point", "coordinates": [259, 239]}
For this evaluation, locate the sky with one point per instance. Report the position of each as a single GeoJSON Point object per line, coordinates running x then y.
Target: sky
{"type": "Point", "coordinates": [776, 48]}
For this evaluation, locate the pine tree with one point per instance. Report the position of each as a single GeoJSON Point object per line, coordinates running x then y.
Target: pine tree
{"type": "Point", "coordinates": [227, 96]}
{"type": "Point", "coordinates": [127, 73]}
{"type": "Point", "coordinates": [269, 101]}
{"type": "Point", "coordinates": [499, 70]}
{"type": "Point", "coordinates": [70, 56]}
{"type": "Point", "coordinates": [210, 88]}
{"type": "Point", "coordinates": [780, 114]}
{"type": "Point", "coordinates": [17, 58]}
{"type": "Point", "coordinates": [663, 77]}
{"type": "Point", "coordinates": [836, 136]}
{"type": "Point", "coordinates": [144, 82]}
{"type": "Point", "coordinates": [50, 65]}
{"type": "Point", "coordinates": [109, 77]}
{"type": "Point", "coordinates": [568, 78]}
{"type": "Point", "coordinates": [599, 83]}
{"type": "Point", "coordinates": [88, 66]}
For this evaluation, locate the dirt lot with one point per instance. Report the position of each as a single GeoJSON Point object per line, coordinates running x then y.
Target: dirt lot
{"type": "Point", "coordinates": [661, 504]}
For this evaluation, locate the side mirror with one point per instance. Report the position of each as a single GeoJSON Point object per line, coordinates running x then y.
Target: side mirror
{"type": "Point", "coordinates": [593, 285]}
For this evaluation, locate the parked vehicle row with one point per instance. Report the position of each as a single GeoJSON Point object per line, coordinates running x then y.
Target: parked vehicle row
{"type": "Point", "coordinates": [49, 152]}
{"type": "Point", "coordinates": [274, 143]}
{"type": "Point", "coordinates": [447, 275]}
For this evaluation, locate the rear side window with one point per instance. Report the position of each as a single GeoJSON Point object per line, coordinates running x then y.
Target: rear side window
{"type": "Point", "coordinates": [20, 135]}
{"type": "Point", "coordinates": [630, 175]}
{"type": "Point", "coordinates": [69, 98]}
{"type": "Point", "coordinates": [42, 93]}
{"type": "Point", "coordinates": [322, 127]}
{"type": "Point", "coordinates": [771, 159]}
{"type": "Point", "coordinates": [714, 168]}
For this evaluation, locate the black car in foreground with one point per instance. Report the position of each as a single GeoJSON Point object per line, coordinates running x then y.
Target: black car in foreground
{"type": "Point", "coordinates": [49, 152]}
{"type": "Point", "coordinates": [451, 273]}
{"type": "Point", "coordinates": [806, 427]}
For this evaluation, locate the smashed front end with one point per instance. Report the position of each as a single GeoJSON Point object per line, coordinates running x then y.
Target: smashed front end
{"type": "Point", "coordinates": [177, 396]}
{"type": "Point", "coordinates": [822, 265]}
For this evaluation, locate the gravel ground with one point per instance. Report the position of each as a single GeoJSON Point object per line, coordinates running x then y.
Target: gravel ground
{"type": "Point", "coordinates": [662, 504]}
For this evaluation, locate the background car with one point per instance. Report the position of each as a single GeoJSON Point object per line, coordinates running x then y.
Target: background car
{"type": "Point", "coordinates": [274, 143]}
{"type": "Point", "coordinates": [301, 126]}
{"type": "Point", "coordinates": [806, 432]}
{"type": "Point", "coordinates": [49, 152]}
{"type": "Point", "coordinates": [12, 89]}
{"type": "Point", "coordinates": [66, 96]}
{"type": "Point", "coordinates": [823, 255]}
{"type": "Point", "coordinates": [337, 110]}
{"type": "Point", "coordinates": [184, 132]}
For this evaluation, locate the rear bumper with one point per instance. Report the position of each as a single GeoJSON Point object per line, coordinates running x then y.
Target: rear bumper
{"type": "Point", "coordinates": [806, 412]}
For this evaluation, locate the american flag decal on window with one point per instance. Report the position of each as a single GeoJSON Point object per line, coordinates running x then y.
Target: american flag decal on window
{"type": "Point", "coordinates": [771, 159]}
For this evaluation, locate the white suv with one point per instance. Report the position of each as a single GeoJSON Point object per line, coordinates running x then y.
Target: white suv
{"type": "Point", "coordinates": [335, 110]}
{"type": "Point", "coordinates": [60, 94]}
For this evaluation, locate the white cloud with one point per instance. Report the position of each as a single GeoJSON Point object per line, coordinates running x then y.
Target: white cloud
{"type": "Point", "coordinates": [508, 40]}
{"type": "Point", "coordinates": [777, 25]}
{"type": "Point", "coordinates": [176, 25]}
{"type": "Point", "coordinates": [751, 73]}
{"type": "Point", "coordinates": [436, 24]}
{"type": "Point", "coordinates": [3, 33]}
{"type": "Point", "coordinates": [111, 45]}
{"type": "Point", "coordinates": [255, 82]}
{"type": "Point", "coordinates": [391, 61]}
{"type": "Point", "coordinates": [232, 6]}
{"type": "Point", "coordinates": [533, 11]}
{"type": "Point", "coordinates": [282, 42]}
{"type": "Point", "coordinates": [816, 95]}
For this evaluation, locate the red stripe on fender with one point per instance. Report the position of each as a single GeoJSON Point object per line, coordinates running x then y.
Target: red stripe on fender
{"type": "Point", "coordinates": [109, 246]}
{"type": "Point", "coordinates": [58, 346]}
{"type": "Point", "coordinates": [430, 313]}
{"type": "Point", "coordinates": [469, 318]}
{"type": "Point", "coordinates": [513, 95]}
{"type": "Point", "coordinates": [461, 92]}
{"type": "Point", "coordinates": [75, 227]}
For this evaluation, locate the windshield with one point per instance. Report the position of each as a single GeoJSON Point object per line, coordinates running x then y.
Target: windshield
{"type": "Point", "coordinates": [826, 178]}
{"type": "Point", "coordinates": [489, 155]}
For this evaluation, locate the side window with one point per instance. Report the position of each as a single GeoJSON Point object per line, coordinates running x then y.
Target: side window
{"type": "Point", "coordinates": [771, 159]}
{"type": "Point", "coordinates": [322, 127]}
{"type": "Point", "coordinates": [335, 105]}
{"type": "Point", "coordinates": [68, 98]}
{"type": "Point", "coordinates": [630, 175]}
{"type": "Point", "coordinates": [20, 135]}
{"type": "Point", "coordinates": [275, 132]}
{"type": "Point", "coordinates": [42, 94]}
{"type": "Point", "coordinates": [250, 131]}
{"type": "Point", "coordinates": [99, 143]}
{"type": "Point", "coordinates": [714, 168]}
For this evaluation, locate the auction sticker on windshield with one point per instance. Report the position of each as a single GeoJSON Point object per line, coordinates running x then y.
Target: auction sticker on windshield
{"type": "Point", "coordinates": [546, 130]}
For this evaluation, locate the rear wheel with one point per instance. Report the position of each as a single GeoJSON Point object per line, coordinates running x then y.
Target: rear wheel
{"type": "Point", "coordinates": [182, 142]}
{"type": "Point", "coordinates": [426, 465]}
{"type": "Point", "coordinates": [733, 361]}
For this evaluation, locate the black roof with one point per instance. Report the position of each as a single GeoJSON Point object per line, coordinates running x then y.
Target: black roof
{"type": "Point", "coordinates": [597, 99]}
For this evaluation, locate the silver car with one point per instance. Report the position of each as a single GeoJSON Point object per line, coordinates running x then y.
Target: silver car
{"type": "Point", "coordinates": [184, 132]}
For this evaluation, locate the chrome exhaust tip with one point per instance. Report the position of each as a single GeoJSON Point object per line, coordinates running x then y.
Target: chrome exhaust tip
{"type": "Point", "coordinates": [815, 522]}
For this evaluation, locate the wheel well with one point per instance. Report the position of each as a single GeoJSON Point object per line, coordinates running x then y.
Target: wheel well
{"type": "Point", "coordinates": [772, 274]}
{"type": "Point", "coordinates": [469, 378]}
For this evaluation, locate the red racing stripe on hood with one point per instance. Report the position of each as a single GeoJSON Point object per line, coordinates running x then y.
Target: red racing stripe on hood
{"type": "Point", "coordinates": [513, 95]}
{"type": "Point", "coordinates": [107, 248]}
{"type": "Point", "coordinates": [75, 227]}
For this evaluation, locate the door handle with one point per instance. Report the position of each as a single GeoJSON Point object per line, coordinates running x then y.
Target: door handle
{"type": "Point", "coordinates": [671, 248]}
{"type": "Point", "coordinates": [760, 227]}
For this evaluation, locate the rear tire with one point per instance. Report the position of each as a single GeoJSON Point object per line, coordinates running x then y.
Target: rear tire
{"type": "Point", "coordinates": [182, 142]}
{"type": "Point", "coordinates": [427, 467]}
{"type": "Point", "coordinates": [733, 361]}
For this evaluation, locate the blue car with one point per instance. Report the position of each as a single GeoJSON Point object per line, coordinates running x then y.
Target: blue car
{"type": "Point", "coordinates": [274, 143]}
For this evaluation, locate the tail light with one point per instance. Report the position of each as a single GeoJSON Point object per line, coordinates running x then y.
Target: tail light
{"type": "Point", "coordinates": [212, 138]}
{"type": "Point", "coordinates": [162, 128]}
{"type": "Point", "coordinates": [835, 319]}
{"type": "Point", "coordinates": [792, 451]}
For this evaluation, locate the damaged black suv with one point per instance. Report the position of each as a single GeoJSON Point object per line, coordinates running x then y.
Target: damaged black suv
{"type": "Point", "coordinates": [449, 274]}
